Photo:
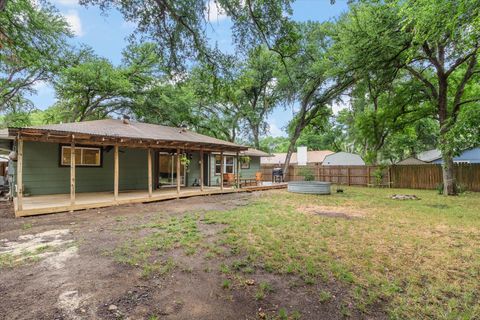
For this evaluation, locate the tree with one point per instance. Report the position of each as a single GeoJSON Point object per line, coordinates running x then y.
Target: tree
{"type": "Point", "coordinates": [274, 144]}
{"type": "Point", "coordinates": [92, 89]}
{"type": "Point", "coordinates": [434, 42]}
{"type": "Point", "coordinates": [312, 79]}
{"type": "Point", "coordinates": [32, 49]}
{"type": "Point", "coordinates": [257, 91]}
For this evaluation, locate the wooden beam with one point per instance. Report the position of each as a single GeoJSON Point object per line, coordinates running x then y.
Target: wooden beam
{"type": "Point", "coordinates": [178, 171]}
{"type": "Point", "coordinates": [20, 175]}
{"type": "Point", "coordinates": [238, 170]}
{"type": "Point", "coordinates": [115, 173]}
{"type": "Point", "coordinates": [150, 175]}
{"type": "Point", "coordinates": [221, 170]}
{"type": "Point", "coordinates": [201, 169]}
{"type": "Point", "coordinates": [72, 173]}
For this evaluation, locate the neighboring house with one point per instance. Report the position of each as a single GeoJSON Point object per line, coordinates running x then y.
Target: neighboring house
{"type": "Point", "coordinates": [343, 159]}
{"type": "Point", "coordinates": [467, 156]}
{"type": "Point", "coordinates": [113, 156]}
{"type": "Point", "coordinates": [435, 156]}
{"type": "Point", "coordinates": [312, 157]}
{"type": "Point", "coordinates": [411, 161]}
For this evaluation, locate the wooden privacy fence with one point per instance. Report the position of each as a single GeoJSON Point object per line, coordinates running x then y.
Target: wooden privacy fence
{"type": "Point", "coordinates": [425, 176]}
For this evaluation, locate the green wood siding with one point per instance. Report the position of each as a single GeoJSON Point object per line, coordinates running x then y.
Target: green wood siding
{"type": "Point", "coordinates": [43, 175]}
{"type": "Point", "coordinates": [254, 168]}
{"type": "Point", "coordinates": [244, 173]}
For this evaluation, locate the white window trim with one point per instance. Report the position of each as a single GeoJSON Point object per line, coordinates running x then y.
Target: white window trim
{"type": "Point", "coordinates": [224, 164]}
{"type": "Point", "coordinates": [81, 156]}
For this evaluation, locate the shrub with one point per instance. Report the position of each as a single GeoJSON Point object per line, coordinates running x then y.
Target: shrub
{"type": "Point", "coordinates": [307, 174]}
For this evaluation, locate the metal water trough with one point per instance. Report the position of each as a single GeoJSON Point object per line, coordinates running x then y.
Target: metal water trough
{"type": "Point", "coordinates": [311, 187]}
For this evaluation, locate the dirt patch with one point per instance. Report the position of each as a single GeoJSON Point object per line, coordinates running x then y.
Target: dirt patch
{"type": "Point", "coordinates": [332, 212]}
{"type": "Point", "coordinates": [79, 277]}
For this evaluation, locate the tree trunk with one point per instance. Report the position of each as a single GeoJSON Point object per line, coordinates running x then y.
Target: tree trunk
{"type": "Point", "coordinates": [291, 147]}
{"type": "Point", "coordinates": [449, 184]}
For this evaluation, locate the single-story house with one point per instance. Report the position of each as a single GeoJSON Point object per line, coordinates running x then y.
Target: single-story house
{"type": "Point", "coordinates": [435, 156]}
{"type": "Point", "coordinates": [411, 161]}
{"type": "Point", "coordinates": [71, 166]}
{"type": "Point", "coordinates": [343, 159]}
{"type": "Point", "coordinates": [312, 157]}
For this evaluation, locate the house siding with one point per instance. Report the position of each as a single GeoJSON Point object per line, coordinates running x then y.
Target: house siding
{"type": "Point", "coordinates": [42, 173]}
{"type": "Point", "coordinates": [244, 173]}
{"type": "Point", "coordinates": [471, 155]}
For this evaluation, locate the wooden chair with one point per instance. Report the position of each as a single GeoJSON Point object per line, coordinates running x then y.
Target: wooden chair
{"type": "Point", "coordinates": [258, 177]}
{"type": "Point", "coordinates": [228, 179]}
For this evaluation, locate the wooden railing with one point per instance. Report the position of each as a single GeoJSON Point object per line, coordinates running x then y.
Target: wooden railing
{"type": "Point", "coordinates": [428, 176]}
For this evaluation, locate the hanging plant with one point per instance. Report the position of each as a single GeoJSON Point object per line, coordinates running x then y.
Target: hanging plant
{"type": "Point", "coordinates": [245, 159]}
{"type": "Point", "coordinates": [184, 160]}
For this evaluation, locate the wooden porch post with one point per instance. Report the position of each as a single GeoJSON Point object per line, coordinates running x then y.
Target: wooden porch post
{"type": "Point", "coordinates": [238, 170]}
{"type": "Point", "coordinates": [201, 169]}
{"type": "Point", "coordinates": [20, 174]}
{"type": "Point", "coordinates": [72, 172]}
{"type": "Point", "coordinates": [178, 171]}
{"type": "Point", "coordinates": [221, 170]}
{"type": "Point", "coordinates": [115, 173]}
{"type": "Point", "coordinates": [150, 189]}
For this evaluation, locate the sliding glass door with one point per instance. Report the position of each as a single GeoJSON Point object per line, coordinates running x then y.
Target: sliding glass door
{"type": "Point", "coordinates": [167, 170]}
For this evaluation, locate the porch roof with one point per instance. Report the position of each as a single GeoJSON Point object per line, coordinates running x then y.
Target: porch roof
{"type": "Point", "coordinates": [109, 131]}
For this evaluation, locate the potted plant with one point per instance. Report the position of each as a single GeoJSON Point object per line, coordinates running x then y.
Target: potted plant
{"type": "Point", "coordinates": [184, 160]}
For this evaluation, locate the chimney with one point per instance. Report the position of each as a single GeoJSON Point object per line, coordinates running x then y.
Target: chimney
{"type": "Point", "coordinates": [126, 119]}
{"type": "Point", "coordinates": [302, 156]}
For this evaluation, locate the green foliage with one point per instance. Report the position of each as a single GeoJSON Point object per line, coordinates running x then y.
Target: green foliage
{"type": "Point", "coordinates": [397, 46]}
{"type": "Point", "coordinates": [33, 48]}
{"type": "Point", "coordinates": [274, 144]}
{"type": "Point", "coordinates": [306, 173]}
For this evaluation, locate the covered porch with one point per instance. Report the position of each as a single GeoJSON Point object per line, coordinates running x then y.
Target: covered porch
{"type": "Point", "coordinates": [72, 169]}
{"type": "Point", "coordinates": [42, 204]}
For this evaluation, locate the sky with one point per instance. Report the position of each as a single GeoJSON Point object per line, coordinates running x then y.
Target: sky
{"type": "Point", "coordinates": [107, 35]}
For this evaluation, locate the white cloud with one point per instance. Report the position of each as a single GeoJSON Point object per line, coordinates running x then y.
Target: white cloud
{"type": "Point", "coordinates": [214, 12]}
{"type": "Point", "coordinates": [73, 19]}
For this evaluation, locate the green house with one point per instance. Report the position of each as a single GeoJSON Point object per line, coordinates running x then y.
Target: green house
{"type": "Point", "coordinates": [70, 166]}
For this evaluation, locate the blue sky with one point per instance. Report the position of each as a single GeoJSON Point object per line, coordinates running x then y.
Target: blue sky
{"type": "Point", "coordinates": [107, 35]}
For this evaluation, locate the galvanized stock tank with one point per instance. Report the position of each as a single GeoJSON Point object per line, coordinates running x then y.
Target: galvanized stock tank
{"type": "Point", "coordinates": [311, 187]}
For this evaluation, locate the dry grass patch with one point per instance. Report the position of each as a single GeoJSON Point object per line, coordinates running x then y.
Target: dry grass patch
{"type": "Point", "coordinates": [418, 259]}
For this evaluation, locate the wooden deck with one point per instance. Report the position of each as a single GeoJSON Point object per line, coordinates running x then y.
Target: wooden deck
{"type": "Point", "coordinates": [44, 204]}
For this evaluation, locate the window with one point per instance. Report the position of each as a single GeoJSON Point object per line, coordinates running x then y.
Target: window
{"type": "Point", "coordinates": [228, 164]}
{"type": "Point", "coordinates": [84, 157]}
{"type": "Point", "coordinates": [462, 162]}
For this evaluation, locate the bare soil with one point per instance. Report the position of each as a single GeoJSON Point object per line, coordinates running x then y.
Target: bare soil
{"type": "Point", "coordinates": [78, 278]}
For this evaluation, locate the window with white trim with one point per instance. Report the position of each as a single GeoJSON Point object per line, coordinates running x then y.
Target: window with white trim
{"type": "Point", "coordinates": [84, 156]}
{"type": "Point", "coordinates": [228, 164]}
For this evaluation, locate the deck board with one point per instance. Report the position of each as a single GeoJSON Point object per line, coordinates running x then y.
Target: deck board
{"type": "Point", "coordinates": [35, 205]}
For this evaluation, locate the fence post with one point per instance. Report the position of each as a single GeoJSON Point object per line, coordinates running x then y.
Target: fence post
{"type": "Point", "coordinates": [368, 175]}
{"type": "Point", "coordinates": [389, 177]}
{"type": "Point", "coordinates": [348, 175]}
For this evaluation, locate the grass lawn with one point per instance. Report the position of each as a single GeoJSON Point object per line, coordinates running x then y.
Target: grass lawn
{"type": "Point", "coordinates": [416, 258]}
